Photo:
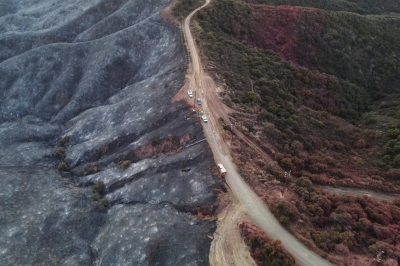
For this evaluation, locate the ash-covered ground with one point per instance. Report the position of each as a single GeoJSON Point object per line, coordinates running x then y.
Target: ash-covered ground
{"type": "Point", "coordinates": [86, 118]}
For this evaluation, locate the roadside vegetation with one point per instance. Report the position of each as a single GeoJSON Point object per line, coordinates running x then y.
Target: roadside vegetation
{"type": "Point", "coordinates": [264, 250]}
{"type": "Point", "coordinates": [319, 92]}
{"type": "Point", "coordinates": [183, 8]}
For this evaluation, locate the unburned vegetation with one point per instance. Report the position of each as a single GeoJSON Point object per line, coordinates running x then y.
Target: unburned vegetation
{"type": "Point", "coordinates": [321, 125]}
{"type": "Point", "coordinates": [263, 249]}
{"type": "Point", "coordinates": [318, 91]}
{"type": "Point", "coordinates": [183, 7]}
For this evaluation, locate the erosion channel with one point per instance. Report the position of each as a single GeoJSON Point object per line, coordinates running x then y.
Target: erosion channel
{"type": "Point", "coordinates": [92, 169]}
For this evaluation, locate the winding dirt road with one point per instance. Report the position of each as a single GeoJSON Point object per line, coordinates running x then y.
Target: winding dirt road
{"type": "Point", "coordinates": [214, 108]}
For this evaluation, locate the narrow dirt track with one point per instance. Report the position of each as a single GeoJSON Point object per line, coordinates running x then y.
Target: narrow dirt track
{"type": "Point", "coordinates": [214, 108]}
{"type": "Point", "coordinates": [359, 192]}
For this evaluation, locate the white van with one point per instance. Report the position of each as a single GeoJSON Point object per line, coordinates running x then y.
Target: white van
{"type": "Point", "coordinates": [221, 169]}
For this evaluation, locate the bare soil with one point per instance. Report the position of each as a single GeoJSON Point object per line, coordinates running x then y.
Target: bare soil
{"type": "Point", "coordinates": [228, 247]}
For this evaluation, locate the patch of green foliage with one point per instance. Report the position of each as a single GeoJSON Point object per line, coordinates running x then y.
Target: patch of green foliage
{"type": "Point", "coordinates": [361, 49]}
{"type": "Point", "coordinates": [297, 103]}
{"type": "Point", "coordinates": [62, 166]}
{"type": "Point", "coordinates": [264, 250]}
{"type": "Point", "coordinates": [183, 7]}
{"type": "Point", "coordinates": [124, 164]}
{"type": "Point", "coordinates": [266, 76]}
{"type": "Point", "coordinates": [59, 152]}
{"type": "Point", "coordinates": [100, 188]}
{"type": "Point", "coordinates": [64, 140]}
{"type": "Point", "coordinates": [278, 83]}
{"type": "Point", "coordinates": [390, 153]}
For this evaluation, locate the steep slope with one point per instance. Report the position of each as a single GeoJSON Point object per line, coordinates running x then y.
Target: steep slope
{"type": "Point", "coordinates": [307, 91]}
{"type": "Point", "coordinates": [361, 49]}
{"type": "Point", "coordinates": [88, 88]}
{"type": "Point", "coordinates": [356, 6]}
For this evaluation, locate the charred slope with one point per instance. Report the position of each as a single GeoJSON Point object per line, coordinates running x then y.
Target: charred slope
{"type": "Point", "coordinates": [101, 76]}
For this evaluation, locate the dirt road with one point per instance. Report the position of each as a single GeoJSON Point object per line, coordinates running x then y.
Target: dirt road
{"type": "Point", "coordinates": [359, 192]}
{"type": "Point", "coordinates": [214, 108]}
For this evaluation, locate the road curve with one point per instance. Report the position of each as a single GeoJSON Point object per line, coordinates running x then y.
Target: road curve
{"type": "Point", "coordinates": [256, 209]}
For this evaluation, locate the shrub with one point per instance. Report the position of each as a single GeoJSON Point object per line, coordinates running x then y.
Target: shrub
{"type": "Point", "coordinates": [250, 96]}
{"type": "Point", "coordinates": [102, 203]}
{"type": "Point", "coordinates": [320, 238]}
{"type": "Point", "coordinates": [304, 182]}
{"type": "Point", "coordinates": [124, 164]}
{"type": "Point", "coordinates": [90, 169]}
{"type": "Point", "coordinates": [284, 211]}
{"type": "Point", "coordinates": [389, 153]}
{"type": "Point", "coordinates": [59, 152]}
{"type": "Point", "coordinates": [369, 120]}
{"type": "Point", "coordinates": [360, 144]}
{"type": "Point", "coordinates": [62, 166]}
{"type": "Point", "coordinates": [283, 220]}
{"type": "Point", "coordinates": [393, 133]}
{"type": "Point", "coordinates": [263, 249]}
{"type": "Point", "coordinates": [297, 146]}
{"type": "Point", "coordinates": [155, 141]}
{"type": "Point", "coordinates": [99, 188]}
{"type": "Point", "coordinates": [337, 145]}
{"type": "Point", "coordinates": [286, 163]}
{"type": "Point", "coordinates": [64, 140]}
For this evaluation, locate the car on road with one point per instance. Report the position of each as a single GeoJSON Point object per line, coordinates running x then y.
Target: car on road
{"type": "Point", "coordinates": [190, 93]}
{"type": "Point", "coordinates": [204, 118]}
{"type": "Point", "coordinates": [221, 169]}
{"type": "Point", "coordinates": [198, 101]}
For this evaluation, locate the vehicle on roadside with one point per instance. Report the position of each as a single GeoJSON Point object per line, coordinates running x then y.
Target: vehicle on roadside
{"type": "Point", "coordinates": [221, 169]}
{"type": "Point", "coordinates": [204, 118]}
{"type": "Point", "coordinates": [190, 93]}
{"type": "Point", "coordinates": [198, 101]}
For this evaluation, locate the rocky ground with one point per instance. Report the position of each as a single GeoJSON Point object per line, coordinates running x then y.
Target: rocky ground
{"type": "Point", "coordinates": [100, 75]}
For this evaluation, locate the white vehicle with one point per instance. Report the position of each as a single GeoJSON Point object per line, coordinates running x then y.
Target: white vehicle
{"type": "Point", "coordinates": [198, 101]}
{"type": "Point", "coordinates": [221, 169]}
{"type": "Point", "coordinates": [204, 118]}
{"type": "Point", "coordinates": [190, 93]}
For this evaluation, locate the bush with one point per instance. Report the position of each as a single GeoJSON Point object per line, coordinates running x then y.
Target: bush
{"type": "Point", "coordinates": [155, 141]}
{"type": "Point", "coordinates": [103, 202]}
{"type": "Point", "coordinates": [283, 220]}
{"type": "Point", "coordinates": [304, 182]}
{"type": "Point", "coordinates": [62, 166]}
{"type": "Point", "coordinates": [59, 152]}
{"type": "Point", "coordinates": [99, 188]}
{"type": "Point", "coordinates": [390, 153]}
{"type": "Point", "coordinates": [64, 140]}
{"type": "Point", "coordinates": [286, 164]}
{"type": "Point", "coordinates": [263, 249]}
{"type": "Point", "coordinates": [124, 164]}
{"type": "Point", "coordinates": [320, 238]}
{"type": "Point", "coordinates": [284, 211]}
